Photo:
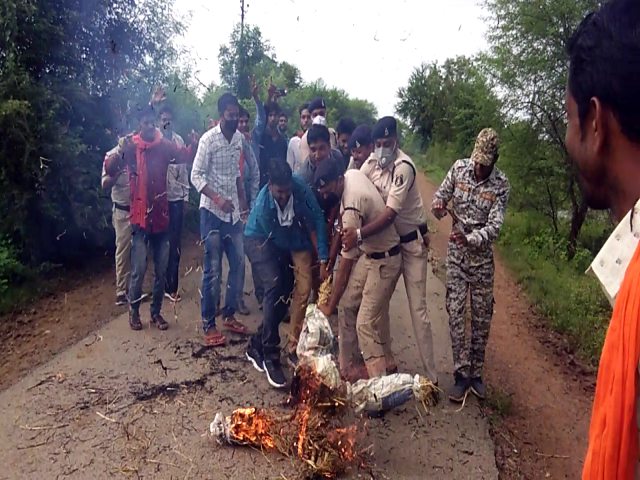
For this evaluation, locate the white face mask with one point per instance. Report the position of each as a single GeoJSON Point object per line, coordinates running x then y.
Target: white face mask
{"type": "Point", "coordinates": [319, 120]}
{"type": "Point", "coordinates": [385, 155]}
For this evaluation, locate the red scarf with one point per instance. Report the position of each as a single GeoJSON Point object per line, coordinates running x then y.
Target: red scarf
{"type": "Point", "coordinates": [143, 197]}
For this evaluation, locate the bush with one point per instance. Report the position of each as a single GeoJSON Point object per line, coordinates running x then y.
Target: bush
{"type": "Point", "coordinates": [11, 270]}
{"type": "Point", "coordinates": [572, 301]}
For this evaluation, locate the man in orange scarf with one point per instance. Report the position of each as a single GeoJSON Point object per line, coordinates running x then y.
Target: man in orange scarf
{"type": "Point", "coordinates": [603, 140]}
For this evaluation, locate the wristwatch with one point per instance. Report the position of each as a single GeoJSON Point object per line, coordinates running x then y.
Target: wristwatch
{"type": "Point", "coordinates": [359, 236]}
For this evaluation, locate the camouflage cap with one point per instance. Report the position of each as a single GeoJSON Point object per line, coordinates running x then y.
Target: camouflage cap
{"type": "Point", "coordinates": [486, 149]}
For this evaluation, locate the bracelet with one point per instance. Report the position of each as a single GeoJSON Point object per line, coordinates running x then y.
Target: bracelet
{"type": "Point", "coordinates": [359, 236]}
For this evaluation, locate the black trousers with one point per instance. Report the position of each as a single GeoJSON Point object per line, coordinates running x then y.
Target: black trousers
{"type": "Point", "coordinates": [176, 216]}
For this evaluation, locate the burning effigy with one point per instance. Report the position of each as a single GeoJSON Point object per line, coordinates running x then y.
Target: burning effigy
{"type": "Point", "coordinates": [322, 428]}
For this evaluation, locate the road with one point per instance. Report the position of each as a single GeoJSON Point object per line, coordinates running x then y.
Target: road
{"type": "Point", "coordinates": [108, 407]}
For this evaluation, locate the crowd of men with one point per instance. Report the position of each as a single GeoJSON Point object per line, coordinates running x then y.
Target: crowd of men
{"type": "Point", "coordinates": [344, 202]}
{"type": "Point", "coordinates": [337, 203]}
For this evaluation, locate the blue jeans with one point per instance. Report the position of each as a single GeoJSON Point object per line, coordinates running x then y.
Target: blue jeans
{"type": "Point", "coordinates": [218, 237]}
{"type": "Point", "coordinates": [159, 243]}
{"type": "Point", "coordinates": [272, 267]}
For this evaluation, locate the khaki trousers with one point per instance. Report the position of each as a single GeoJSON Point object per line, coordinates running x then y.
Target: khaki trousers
{"type": "Point", "coordinates": [303, 279]}
{"type": "Point", "coordinates": [122, 226]}
{"type": "Point", "coordinates": [363, 318]}
{"type": "Point", "coordinates": [414, 270]}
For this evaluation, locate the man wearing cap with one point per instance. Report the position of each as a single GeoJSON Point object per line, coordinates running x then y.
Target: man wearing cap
{"type": "Point", "coordinates": [361, 146]}
{"type": "Point", "coordinates": [478, 193]}
{"type": "Point", "coordinates": [318, 111]}
{"type": "Point", "coordinates": [362, 286]}
{"type": "Point", "coordinates": [394, 175]}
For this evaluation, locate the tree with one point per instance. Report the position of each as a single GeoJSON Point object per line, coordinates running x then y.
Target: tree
{"type": "Point", "coordinates": [528, 41]}
{"type": "Point", "coordinates": [239, 58]}
{"type": "Point", "coordinates": [71, 73]}
{"type": "Point", "coordinates": [449, 103]}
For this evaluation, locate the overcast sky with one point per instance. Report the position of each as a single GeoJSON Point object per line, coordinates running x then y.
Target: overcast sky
{"type": "Point", "coordinates": [367, 48]}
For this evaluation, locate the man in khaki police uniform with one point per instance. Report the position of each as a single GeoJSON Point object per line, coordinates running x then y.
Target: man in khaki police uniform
{"type": "Point", "coordinates": [120, 197]}
{"type": "Point", "coordinates": [394, 175]}
{"type": "Point", "coordinates": [367, 289]}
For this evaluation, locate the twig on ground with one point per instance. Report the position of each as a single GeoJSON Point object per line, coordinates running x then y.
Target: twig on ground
{"type": "Point", "coordinates": [160, 462]}
{"type": "Point", "coordinates": [44, 427]}
{"type": "Point", "coordinates": [101, 415]}
{"type": "Point", "coordinates": [551, 455]}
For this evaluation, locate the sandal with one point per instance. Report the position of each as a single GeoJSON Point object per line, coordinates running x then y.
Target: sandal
{"type": "Point", "coordinates": [214, 339]}
{"type": "Point", "coordinates": [134, 321]}
{"type": "Point", "coordinates": [233, 325]}
{"type": "Point", "coordinates": [159, 322]}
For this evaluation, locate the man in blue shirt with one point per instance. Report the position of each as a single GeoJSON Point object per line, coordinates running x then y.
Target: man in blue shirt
{"type": "Point", "coordinates": [286, 226]}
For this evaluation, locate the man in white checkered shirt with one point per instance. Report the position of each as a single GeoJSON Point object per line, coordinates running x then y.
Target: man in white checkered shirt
{"type": "Point", "coordinates": [223, 207]}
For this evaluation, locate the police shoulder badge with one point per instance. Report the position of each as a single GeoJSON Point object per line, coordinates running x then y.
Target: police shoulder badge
{"type": "Point", "coordinates": [399, 180]}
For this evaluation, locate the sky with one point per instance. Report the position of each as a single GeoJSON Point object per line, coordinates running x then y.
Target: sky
{"type": "Point", "coordinates": [367, 48]}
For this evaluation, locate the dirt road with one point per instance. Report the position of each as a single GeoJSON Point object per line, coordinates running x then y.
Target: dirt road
{"type": "Point", "coordinates": [137, 404]}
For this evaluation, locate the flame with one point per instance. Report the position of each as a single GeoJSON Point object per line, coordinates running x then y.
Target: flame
{"type": "Point", "coordinates": [252, 426]}
{"type": "Point", "coordinates": [344, 440]}
{"type": "Point", "coordinates": [302, 432]}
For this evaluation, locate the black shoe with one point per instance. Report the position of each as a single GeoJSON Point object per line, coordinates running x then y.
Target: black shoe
{"type": "Point", "coordinates": [134, 320]}
{"type": "Point", "coordinates": [121, 300]}
{"type": "Point", "coordinates": [478, 388]}
{"type": "Point", "coordinates": [459, 389]}
{"type": "Point", "coordinates": [255, 358]}
{"type": "Point", "coordinates": [275, 375]}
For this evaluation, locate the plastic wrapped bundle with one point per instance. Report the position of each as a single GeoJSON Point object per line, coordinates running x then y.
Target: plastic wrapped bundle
{"type": "Point", "coordinates": [384, 393]}
{"type": "Point", "coordinates": [316, 338]}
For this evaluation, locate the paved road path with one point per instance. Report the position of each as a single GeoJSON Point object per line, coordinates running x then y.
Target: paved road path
{"type": "Point", "coordinates": [108, 408]}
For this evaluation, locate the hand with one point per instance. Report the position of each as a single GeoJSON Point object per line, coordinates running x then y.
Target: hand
{"type": "Point", "coordinates": [325, 310]}
{"type": "Point", "coordinates": [459, 239]}
{"type": "Point", "coordinates": [254, 87]}
{"type": "Point", "coordinates": [226, 205]}
{"type": "Point", "coordinates": [273, 90]}
{"type": "Point", "coordinates": [324, 271]}
{"type": "Point", "coordinates": [244, 211]}
{"type": "Point", "coordinates": [439, 209]}
{"type": "Point", "coordinates": [349, 238]}
{"type": "Point", "coordinates": [426, 240]}
{"type": "Point", "coordinates": [194, 138]}
{"type": "Point", "coordinates": [158, 96]}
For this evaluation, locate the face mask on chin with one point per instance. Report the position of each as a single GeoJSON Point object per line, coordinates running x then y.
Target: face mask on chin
{"type": "Point", "coordinates": [385, 155]}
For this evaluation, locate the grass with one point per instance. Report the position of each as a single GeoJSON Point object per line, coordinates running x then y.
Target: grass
{"type": "Point", "coordinates": [572, 301]}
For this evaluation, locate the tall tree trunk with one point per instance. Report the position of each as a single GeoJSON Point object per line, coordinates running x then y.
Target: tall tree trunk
{"type": "Point", "coordinates": [579, 210]}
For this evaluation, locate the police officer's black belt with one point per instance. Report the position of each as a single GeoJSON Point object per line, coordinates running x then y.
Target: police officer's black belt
{"type": "Point", "coordinates": [124, 208]}
{"type": "Point", "coordinates": [380, 255]}
{"type": "Point", "coordinates": [411, 236]}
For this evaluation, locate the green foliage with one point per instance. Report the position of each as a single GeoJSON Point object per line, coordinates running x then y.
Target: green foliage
{"type": "Point", "coordinates": [71, 73]}
{"type": "Point", "coordinates": [558, 287]}
{"type": "Point", "coordinates": [449, 103]}
{"type": "Point", "coordinates": [528, 40]}
{"type": "Point", "coordinates": [11, 270]}
{"type": "Point", "coordinates": [239, 58]}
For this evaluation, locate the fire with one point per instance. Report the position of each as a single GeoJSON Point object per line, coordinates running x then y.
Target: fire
{"type": "Point", "coordinates": [344, 440]}
{"type": "Point", "coordinates": [252, 426]}
{"type": "Point", "coordinates": [302, 433]}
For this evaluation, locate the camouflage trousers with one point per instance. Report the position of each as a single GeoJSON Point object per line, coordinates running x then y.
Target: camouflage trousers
{"type": "Point", "coordinates": [470, 275]}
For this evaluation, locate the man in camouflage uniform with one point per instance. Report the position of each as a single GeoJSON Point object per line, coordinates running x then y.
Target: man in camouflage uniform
{"type": "Point", "coordinates": [478, 193]}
